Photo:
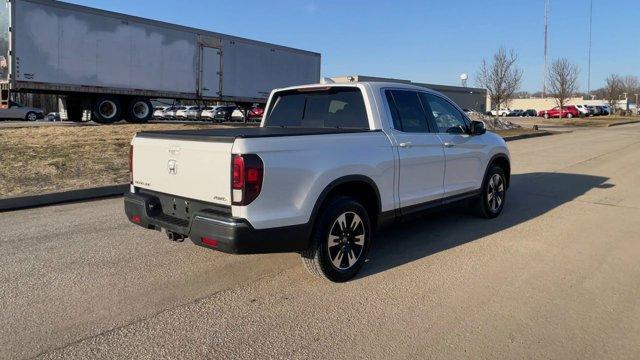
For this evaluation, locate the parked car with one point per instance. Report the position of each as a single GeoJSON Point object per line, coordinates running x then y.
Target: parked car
{"type": "Point", "coordinates": [181, 113]}
{"type": "Point", "coordinates": [594, 110]}
{"type": "Point", "coordinates": [208, 112]}
{"type": "Point", "coordinates": [517, 112]}
{"type": "Point", "coordinates": [601, 110]}
{"type": "Point", "coordinates": [170, 113]}
{"type": "Point", "coordinates": [567, 112]}
{"type": "Point", "coordinates": [237, 115]}
{"type": "Point", "coordinates": [194, 112]}
{"type": "Point", "coordinates": [607, 110]}
{"type": "Point", "coordinates": [314, 178]}
{"type": "Point", "coordinates": [52, 116]}
{"type": "Point", "coordinates": [574, 110]}
{"type": "Point", "coordinates": [502, 112]}
{"type": "Point", "coordinates": [256, 113]}
{"type": "Point", "coordinates": [19, 112]}
{"type": "Point", "coordinates": [223, 113]}
{"type": "Point", "coordinates": [583, 109]}
{"type": "Point", "coordinates": [530, 112]}
{"type": "Point", "coordinates": [158, 112]}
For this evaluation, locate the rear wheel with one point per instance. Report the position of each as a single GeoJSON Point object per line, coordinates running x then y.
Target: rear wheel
{"type": "Point", "coordinates": [546, 116]}
{"type": "Point", "coordinates": [340, 241]}
{"type": "Point", "coordinates": [569, 115]}
{"type": "Point", "coordinates": [139, 110]}
{"type": "Point", "coordinates": [31, 116]}
{"type": "Point", "coordinates": [107, 110]}
{"type": "Point", "coordinates": [491, 201]}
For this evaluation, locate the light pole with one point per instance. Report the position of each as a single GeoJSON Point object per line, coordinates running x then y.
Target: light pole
{"type": "Point", "coordinates": [590, 27]}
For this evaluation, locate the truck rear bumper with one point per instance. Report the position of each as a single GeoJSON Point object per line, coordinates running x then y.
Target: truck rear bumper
{"type": "Point", "coordinates": [215, 231]}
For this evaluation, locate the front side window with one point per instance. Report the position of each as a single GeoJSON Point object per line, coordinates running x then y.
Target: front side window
{"type": "Point", "coordinates": [407, 111]}
{"type": "Point", "coordinates": [447, 117]}
{"type": "Point", "coordinates": [334, 107]}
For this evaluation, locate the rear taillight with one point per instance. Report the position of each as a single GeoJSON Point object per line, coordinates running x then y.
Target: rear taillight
{"type": "Point", "coordinates": [131, 164]}
{"type": "Point", "coordinates": [246, 178]}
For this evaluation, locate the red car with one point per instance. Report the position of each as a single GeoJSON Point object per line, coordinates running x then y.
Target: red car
{"type": "Point", "coordinates": [256, 113]}
{"type": "Point", "coordinates": [567, 112]}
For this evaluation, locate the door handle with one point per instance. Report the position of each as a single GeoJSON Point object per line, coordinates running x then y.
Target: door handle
{"type": "Point", "coordinates": [449, 144]}
{"type": "Point", "coordinates": [405, 145]}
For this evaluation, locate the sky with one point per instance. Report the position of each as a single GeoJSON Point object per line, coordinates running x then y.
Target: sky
{"type": "Point", "coordinates": [422, 41]}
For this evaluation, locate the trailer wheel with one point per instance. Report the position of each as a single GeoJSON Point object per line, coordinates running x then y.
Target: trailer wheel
{"type": "Point", "coordinates": [139, 110]}
{"type": "Point", "coordinates": [107, 110]}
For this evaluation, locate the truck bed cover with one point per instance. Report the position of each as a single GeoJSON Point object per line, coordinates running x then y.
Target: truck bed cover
{"type": "Point", "coordinates": [229, 135]}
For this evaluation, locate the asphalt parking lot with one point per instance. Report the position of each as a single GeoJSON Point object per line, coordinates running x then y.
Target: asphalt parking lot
{"type": "Point", "coordinates": [557, 276]}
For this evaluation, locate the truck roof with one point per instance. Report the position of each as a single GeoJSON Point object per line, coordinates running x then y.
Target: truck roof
{"type": "Point", "coordinates": [375, 85]}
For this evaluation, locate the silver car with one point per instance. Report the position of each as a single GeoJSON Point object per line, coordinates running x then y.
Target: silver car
{"type": "Point", "coordinates": [19, 112]}
{"type": "Point", "coordinates": [194, 112]}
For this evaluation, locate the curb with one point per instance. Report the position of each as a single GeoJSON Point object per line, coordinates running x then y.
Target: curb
{"type": "Point", "coordinates": [529, 136]}
{"type": "Point", "coordinates": [33, 201]}
{"type": "Point", "coordinates": [624, 123]}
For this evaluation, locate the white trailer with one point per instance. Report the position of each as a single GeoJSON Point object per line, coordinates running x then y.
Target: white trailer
{"type": "Point", "coordinates": [110, 65]}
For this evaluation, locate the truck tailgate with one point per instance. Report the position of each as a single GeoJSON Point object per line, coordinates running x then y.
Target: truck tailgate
{"type": "Point", "coordinates": [199, 170]}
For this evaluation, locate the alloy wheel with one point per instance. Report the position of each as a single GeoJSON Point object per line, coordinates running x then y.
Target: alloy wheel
{"type": "Point", "coordinates": [346, 240]}
{"type": "Point", "coordinates": [495, 193]}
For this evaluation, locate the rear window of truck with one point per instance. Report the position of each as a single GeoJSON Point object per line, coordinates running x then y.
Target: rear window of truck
{"type": "Point", "coordinates": [334, 107]}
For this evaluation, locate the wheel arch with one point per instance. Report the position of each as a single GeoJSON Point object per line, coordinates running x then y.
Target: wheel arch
{"type": "Point", "coordinates": [501, 160]}
{"type": "Point", "coordinates": [360, 187]}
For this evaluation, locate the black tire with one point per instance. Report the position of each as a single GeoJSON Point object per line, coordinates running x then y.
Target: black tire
{"type": "Point", "coordinates": [487, 206]}
{"type": "Point", "coordinates": [107, 110]}
{"type": "Point", "coordinates": [31, 116]}
{"type": "Point", "coordinates": [139, 111]}
{"type": "Point", "coordinates": [321, 258]}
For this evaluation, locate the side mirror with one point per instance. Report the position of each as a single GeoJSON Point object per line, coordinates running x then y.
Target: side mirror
{"type": "Point", "coordinates": [478, 128]}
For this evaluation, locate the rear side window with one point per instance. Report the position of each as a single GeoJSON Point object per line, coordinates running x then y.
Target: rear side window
{"type": "Point", "coordinates": [335, 107]}
{"type": "Point", "coordinates": [407, 111]}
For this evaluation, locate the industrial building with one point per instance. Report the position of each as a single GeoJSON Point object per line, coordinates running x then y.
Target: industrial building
{"type": "Point", "coordinates": [466, 97]}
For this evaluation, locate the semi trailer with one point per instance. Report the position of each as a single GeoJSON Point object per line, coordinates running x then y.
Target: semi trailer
{"type": "Point", "coordinates": [108, 66]}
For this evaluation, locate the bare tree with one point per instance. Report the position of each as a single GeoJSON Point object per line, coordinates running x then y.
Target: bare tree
{"type": "Point", "coordinates": [502, 78]}
{"type": "Point", "coordinates": [631, 85]}
{"type": "Point", "coordinates": [562, 80]}
{"type": "Point", "coordinates": [613, 88]}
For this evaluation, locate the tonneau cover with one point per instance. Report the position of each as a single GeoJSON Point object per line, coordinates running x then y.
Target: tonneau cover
{"type": "Point", "coordinates": [230, 134]}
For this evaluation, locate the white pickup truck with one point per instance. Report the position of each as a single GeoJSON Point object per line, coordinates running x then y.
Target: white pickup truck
{"type": "Point", "coordinates": [329, 164]}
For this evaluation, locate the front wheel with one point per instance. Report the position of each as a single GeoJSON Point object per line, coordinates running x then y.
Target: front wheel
{"type": "Point", "coordinates": [569, 115]}
{"type": "Point", "coordinates": [491, 201]}
{"type": "Point", "coordinates": [546, 116]}
{"type": "Point", "coordinates": [340, 241]}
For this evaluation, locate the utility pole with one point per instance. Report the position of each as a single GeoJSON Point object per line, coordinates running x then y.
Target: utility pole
{"type": "Point", "coordinates": [590, 27]}
{"type": "Point", "coordinates": [546, 30]}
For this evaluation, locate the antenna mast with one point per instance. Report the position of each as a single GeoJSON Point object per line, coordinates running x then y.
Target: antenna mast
{"type": "Point", "coordinates": [546, 30]}
{"type": "Point", "coordinates": [589, 71]}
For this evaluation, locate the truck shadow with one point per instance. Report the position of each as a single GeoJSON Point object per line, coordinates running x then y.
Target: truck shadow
{"type": "Point", "coordinates": [529, 196]}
